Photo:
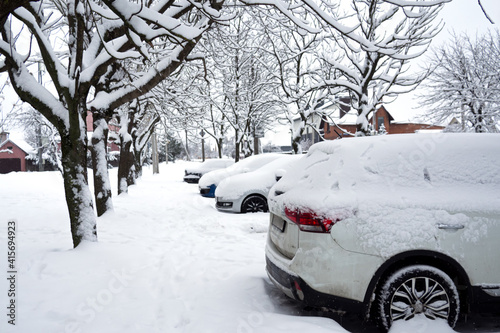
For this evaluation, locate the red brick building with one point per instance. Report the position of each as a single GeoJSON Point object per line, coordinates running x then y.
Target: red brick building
{"type": "Point", "coordinates": [347, 121]}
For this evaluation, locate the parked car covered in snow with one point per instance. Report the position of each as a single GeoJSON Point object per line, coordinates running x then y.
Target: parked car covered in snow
{"type": "Point", "coordinates": [195, 172]}
{"type": "Point", "coordinates": [391, 226]}
{"type": "Point", "coordinates": [210, 180]}
{"type": "Point", "coordinates": [247, 192]}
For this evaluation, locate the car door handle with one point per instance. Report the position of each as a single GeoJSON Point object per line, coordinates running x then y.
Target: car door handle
{"type": "Point", "coordinates": [450, 226]}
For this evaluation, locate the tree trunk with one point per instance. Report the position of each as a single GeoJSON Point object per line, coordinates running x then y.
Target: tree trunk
{"type": "Point", "coordinates": [236, 146]}
{"type": "Point", "coordinates": [137, 164]}
{"type": "Point", "coordinates": [297, 135]}
{"type": "Point", "coordinates": [219, 146]}
{"type": "Point", "coordinates": [479, 121]}
{"type": "Point", "coordinates": [78, 196]}
{"type": "Point", "coordinates": [297, 149]}
{"type": "Point", "coordinates": [102, 187]}
{"type": "Point", "coordinates": [186, 147]}
{"type": "Point", "coordinates": [362, 121]}
{"type": "Point", "coordinates": [126, 167]}
{"type": "Point", "coordinates": [296, 145]}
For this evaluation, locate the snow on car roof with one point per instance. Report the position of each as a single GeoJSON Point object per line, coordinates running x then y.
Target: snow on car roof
{"type": "Point", "coordinates": [394, 168]}
{"type": "Point", "coordinates": [261, 179]}
{"type": "Point", "coordinates": [210, 164]}
{"type": "Point", "coordinates": [248, 164]}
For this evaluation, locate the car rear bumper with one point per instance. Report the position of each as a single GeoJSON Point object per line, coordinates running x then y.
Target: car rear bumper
{"type": "Point", "coordinates": [296, 288]}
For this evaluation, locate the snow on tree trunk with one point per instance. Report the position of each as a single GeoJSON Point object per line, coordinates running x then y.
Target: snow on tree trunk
{"type": "Point", "coordinates": [297, 149]}
{"type": "Point", "coordinates": [102, 186]}
{"type": "Point", "coordinates": [126, 175]}
{"type": "Point", "coordinates": [136, 127]}
{"type": "Point", "coordinates": [364, 110]}
{"type": "Point", "coordinates": [126, 168]}
{"type": "Point", "coordinates": [78, 196]}
{"type": "Point", "coordinates": [297, 132]}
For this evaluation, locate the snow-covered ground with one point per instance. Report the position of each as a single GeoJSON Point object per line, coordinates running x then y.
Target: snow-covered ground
{"type": "Point", "coordinates": [166, 261]}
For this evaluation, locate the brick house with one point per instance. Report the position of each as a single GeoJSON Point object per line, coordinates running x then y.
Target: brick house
{"type": "Point", "coordinates": [347, 121]}
{"type": "Point", "coordinates": [13, 155]}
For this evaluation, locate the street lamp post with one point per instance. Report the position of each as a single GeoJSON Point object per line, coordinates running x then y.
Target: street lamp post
{"type": "Point", "coordinates": [202, 133]}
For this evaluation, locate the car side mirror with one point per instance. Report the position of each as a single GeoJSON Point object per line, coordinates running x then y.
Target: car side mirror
{"type": "Point", "coordinates": [279, 174]}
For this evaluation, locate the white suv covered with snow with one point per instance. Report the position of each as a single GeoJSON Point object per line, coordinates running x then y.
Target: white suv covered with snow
{"type": "Point", "coordinates": [391, 226]}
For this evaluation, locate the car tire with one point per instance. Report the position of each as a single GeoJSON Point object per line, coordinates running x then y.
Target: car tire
{"type": "Point", "coordinates": [254, 204]}
{"type": "Point", "coordinates": [414, 290]}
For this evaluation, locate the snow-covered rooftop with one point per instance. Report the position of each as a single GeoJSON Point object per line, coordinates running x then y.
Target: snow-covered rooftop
{"type": "Point", "coordinates": [23, 145]}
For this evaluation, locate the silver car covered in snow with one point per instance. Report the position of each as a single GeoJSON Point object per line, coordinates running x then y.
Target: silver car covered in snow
{"type": "Point", "coordinates": [209, 182]}
{"type": "Point", "coordinates": [247, 192]}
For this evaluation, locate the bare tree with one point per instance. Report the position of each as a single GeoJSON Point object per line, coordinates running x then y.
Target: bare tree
{"type": "Point", "coordinates": [372, 65]}
{"type": "Point", "coordinates": [465, 82]}
{"type": "Point", "coordinates": [299, 72]}
{"type": "Point", "coordinates": [241, 86]}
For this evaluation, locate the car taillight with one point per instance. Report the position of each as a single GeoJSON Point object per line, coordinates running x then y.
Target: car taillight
{"type": "Point", "coordinates": [310, 221]}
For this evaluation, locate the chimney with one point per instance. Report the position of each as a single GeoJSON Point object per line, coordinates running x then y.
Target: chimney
{"type": "Point", "coordinates": [4, 136]}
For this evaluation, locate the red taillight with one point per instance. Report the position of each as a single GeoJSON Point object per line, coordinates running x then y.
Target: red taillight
{"type": "Point", "coordinates": [309, 221]}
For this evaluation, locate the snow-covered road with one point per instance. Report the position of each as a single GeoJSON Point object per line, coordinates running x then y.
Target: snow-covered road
{"type": "Point", "coordinates": [166, 261]}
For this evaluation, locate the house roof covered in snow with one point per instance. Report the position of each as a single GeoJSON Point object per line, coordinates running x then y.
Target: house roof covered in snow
{"type": "Point", "coordinates": [21, 144]}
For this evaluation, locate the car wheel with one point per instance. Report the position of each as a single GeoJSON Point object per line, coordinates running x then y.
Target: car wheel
{"type": "Point", "coordinates": [253, 204]}
{"type": "Point", "coordinates": [418, 290]}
